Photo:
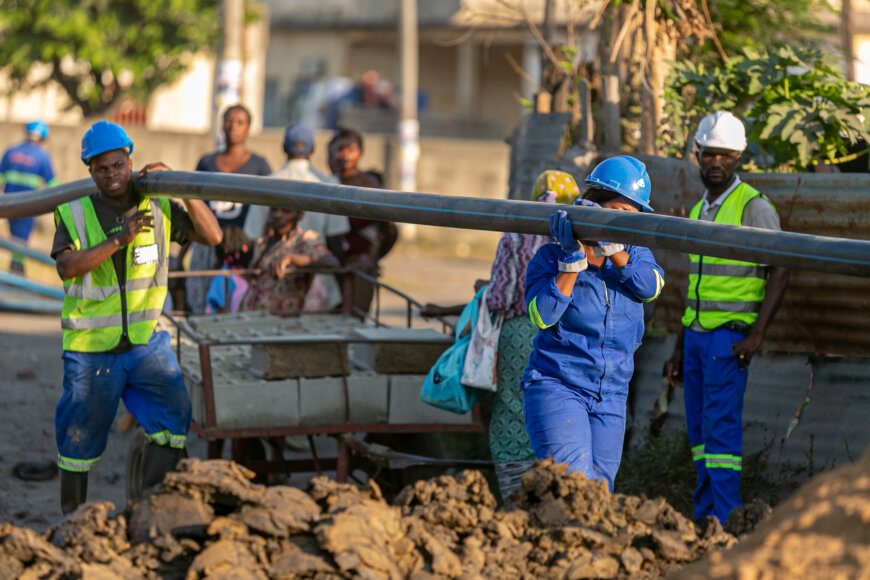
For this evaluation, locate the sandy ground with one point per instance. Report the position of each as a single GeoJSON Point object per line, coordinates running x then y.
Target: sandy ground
{"type": "Point", "coordinates": [32, 372]}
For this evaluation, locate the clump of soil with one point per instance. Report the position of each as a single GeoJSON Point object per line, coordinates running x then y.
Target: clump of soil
{"type": "Point", "coordinates": [822, 531]}
{"type": "Point", "coordinates": [211, 521]}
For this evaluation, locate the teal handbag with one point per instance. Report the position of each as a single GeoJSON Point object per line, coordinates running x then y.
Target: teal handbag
{"type": "Point", "coordinates": [442, 388]}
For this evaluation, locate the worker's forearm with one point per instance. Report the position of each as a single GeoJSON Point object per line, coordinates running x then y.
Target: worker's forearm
{"type": "Point", "coordinates": [777, 282]}
{"type": "Point", "coordinates": [74, 263]}
{"type": "Point", "coordinates": [565, 282]}
{"type": "Point", "coordinates": [205, 226]}
{"type": "Point", "coordinates": [681, 335]}
{"type": "Point", "coordinates": [620, 259]}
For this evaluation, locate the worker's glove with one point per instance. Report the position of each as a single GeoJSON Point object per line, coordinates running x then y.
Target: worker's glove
{"type": "Point", "coordinates": [574, 258]}
{"type": "Point", "coordinates": [606, 249]}
{"type": "Point", "coordinates": [585, 202]}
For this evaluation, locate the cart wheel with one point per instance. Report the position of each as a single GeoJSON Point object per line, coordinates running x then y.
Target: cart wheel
{"type": "Point", "coordinates": [134, 465]}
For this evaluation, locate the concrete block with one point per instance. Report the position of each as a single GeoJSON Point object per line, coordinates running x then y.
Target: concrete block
{"type": "Point", "coordinates": [249, 404]}
{"type": "Point", "coordinates": [322, 401]}
{"type": "Point", "coordinates": [416, 353]}
{"type": "Point", "coordinates": [406, 406]}
{"type": "Point", "coordinates": [194, 389]}
{"type": "Point", "coordinates": [284, 360]}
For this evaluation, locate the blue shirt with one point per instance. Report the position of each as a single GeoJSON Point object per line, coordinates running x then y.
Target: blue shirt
{"type": "Point", "coordinates": [587, 340]}
{"type": "Point", "coordinates": [26, 167]}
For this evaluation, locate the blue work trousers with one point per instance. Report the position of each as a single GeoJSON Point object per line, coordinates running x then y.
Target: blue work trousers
{"type": "Point", "coordinates": [21, 228]}
{"type": "Point", "coordinates": [576, 426]}
{"type": "Point", "coordinates": [148, 379]}
{"type": "Point", "coordinates": [713, 388]}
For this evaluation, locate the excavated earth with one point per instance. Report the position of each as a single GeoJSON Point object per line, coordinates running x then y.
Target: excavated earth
{"type": "Point", "coordinates": [211, 522]}
{"type": "Point", "coordinates": [822, 531]}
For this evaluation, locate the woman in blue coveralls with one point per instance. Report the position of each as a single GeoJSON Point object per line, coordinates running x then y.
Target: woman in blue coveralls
{"type": "Point", "coordinates": [587, 300]}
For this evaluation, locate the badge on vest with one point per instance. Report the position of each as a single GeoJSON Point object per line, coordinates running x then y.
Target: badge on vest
{"type": "Point", "coordinates": [143, 255]}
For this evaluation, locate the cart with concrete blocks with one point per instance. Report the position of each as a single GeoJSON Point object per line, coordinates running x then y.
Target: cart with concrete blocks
{"type": "Point", "coordinates": [256, 377]}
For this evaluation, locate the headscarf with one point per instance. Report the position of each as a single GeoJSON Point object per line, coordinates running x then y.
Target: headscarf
{"type": "Point", "coordinates": [560, 186]}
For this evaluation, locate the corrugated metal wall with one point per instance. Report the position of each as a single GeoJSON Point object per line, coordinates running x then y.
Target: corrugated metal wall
{"type": "Point", "coordinates": [832, 429]}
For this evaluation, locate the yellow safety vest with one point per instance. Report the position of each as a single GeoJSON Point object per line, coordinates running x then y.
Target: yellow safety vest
{"type": "Point", "coordinates": [97, 310]}
{"type": "Point", "coordinates": [723, 290]}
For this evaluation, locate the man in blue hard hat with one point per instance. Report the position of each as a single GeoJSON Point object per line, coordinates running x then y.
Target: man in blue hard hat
{"type": "Point", "coordinates": [112, 252]}
{"type": "Point", "coordinates": [730, 305]}
{"type": "Point", "coordinates": [26, 167]}
{"type": "Point", "coordinates": [587, 298]}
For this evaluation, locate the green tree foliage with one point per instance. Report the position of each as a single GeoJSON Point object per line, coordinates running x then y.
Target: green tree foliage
{"type": "Point", "coordinates": [765, 25]}
{"type": "Point", "coordinates": [797, 103]}
{"type": "Point", "coordinates": [101, 50]}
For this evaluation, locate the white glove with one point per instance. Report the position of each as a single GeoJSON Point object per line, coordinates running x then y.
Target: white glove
{"type": "Point", "coordinates": [607, 249]}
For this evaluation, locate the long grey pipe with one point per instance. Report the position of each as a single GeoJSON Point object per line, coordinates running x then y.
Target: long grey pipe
{"type": "Point", "coordinates": [791, 250]}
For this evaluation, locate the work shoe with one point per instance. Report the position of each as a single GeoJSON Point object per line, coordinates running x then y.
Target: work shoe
{"type": "Point", "coordinates": [73, 490]}
{"type": "Point", "coordinates": [157, 461]}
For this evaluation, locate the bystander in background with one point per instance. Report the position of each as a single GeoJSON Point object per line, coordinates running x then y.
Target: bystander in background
{"type": "Point", "coordinates": [26, 167]}
{"type": "Point", "coordinates": [368, 240]}
{"type": "Point", "coordinates": [235, 158]}
{"type": "Point", "coordinates": [324, 293]}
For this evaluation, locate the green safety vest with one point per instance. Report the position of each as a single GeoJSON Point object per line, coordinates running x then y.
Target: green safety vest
{"type": "Point", "coordinates": [723, 290]}
{"type": "Point", "coordinates": [97, 311]}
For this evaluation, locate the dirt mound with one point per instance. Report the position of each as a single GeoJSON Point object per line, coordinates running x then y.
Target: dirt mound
{"type": "Point", "coordinates": [822, 531]}
{"type": "Point", "coordinates": [212, 522]}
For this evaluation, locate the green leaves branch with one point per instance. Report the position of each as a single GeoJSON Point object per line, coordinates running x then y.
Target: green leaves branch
{"type": "Point", "coordinates": [99, 50]}
{"type": "Point", "coordinates": [798, 106]}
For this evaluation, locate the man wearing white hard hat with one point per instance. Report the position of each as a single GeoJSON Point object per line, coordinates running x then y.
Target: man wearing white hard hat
{"type": "Point", "coordinates": [730, 305]}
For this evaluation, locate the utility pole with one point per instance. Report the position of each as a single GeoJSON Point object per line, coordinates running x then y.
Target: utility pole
{"type": "Point", "coordinates": [228, 81]}
{"type": "Point", "coordinates": [409, 126]}
{"type": "Point", "coordinates": [547, 34]}
{"type": "Point", "coordinates": [848, 39]}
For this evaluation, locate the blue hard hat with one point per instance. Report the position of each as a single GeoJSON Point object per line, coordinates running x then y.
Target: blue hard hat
{"type": "Point", "coordinates": [104, 136]}
{"type": "Point", "coordinates": [38, 128]}
{"type": "Point", "coordinates": [298, 140]}
{"type": "Point", "coordinates": [623, 175]}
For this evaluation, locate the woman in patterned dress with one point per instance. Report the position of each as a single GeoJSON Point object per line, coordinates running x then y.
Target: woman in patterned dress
{"type": "Point", "coordinates": [285, 247]}
{"type": "Point", "coordinates": [508, 440]}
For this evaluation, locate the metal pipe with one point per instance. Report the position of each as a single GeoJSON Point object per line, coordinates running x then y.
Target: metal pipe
{"type": "Point", "coordinates": [26, 251]}
{"type": "Point", "coordinates": [791, 250]}
{"type": "Point", "coordinates": [21, 282]}
{"type": "Point", "coordinates": [30, 305]}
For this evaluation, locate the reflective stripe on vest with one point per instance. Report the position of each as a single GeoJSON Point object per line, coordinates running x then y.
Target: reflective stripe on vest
{"type": "Point", "coordinates": [94, 315]}
{"type": "Point", "coordinates": [723, 290]}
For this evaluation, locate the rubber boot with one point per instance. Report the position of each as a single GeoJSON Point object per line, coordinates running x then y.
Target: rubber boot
{"type": "Point", "coordinates": [73, 490]}
{"type": "Point", "coordinates": [157, 461]}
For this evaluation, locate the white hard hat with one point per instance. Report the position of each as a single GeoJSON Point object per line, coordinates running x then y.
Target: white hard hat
{"type": "Point", "coordinates": [721, 130]}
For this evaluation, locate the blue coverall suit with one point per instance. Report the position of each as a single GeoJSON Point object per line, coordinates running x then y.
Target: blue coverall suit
{"type": "Point", "coordinates": [25, 167]}
{"type": "Point", "coordinates": [576, 383]}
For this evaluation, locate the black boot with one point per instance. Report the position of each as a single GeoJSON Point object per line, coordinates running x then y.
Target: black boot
{"type": "Point", "coordinates": [73, 490]}
{"type": "Point", "coordinates": [157, 461]}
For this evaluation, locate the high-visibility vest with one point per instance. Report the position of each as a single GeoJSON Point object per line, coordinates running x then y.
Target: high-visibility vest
{"type": "Point", "coordinates": [97, 311]}
{"type": "Point", "coordinates": [723, 290]}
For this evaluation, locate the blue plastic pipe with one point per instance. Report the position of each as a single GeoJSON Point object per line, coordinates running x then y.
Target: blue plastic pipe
{"type": "Point", "coordinates": [791, 250]}
{"type": "Point", "coordinates": [24, 283]}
